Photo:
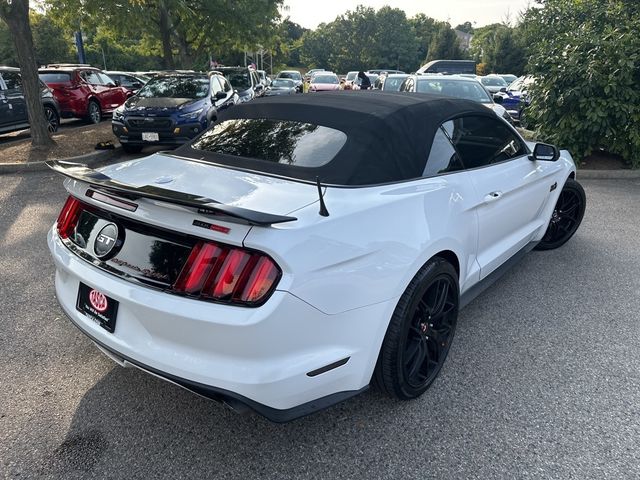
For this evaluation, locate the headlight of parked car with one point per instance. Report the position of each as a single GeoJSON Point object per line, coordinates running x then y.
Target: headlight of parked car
{"type": "Point", "coordinates": [118, 113]}
{"type": "Point", "coordinates": [191, 115]}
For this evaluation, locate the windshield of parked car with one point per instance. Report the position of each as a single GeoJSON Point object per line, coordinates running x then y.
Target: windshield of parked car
{"type": "Point", "coordinates": [292, 143]}
{"type": "Point", "coordinates": [493, 81]}
{"type": "Point", "coordinates": [283, 83]}
{"type": "Point", "coordinates": [239, 79]}
{"type": "Point", "coordinates": [467, 89]}
{"type": "Point", "coordinates": [176, 87]}
{"type": "Point", "coordinates": [351, 76]}
{"type": "Point", "coordinates": [291, 75]}
{"type": "Point", "coordinates": [325, 79]}
{"type": "Point", "coordinates": [392, 84]}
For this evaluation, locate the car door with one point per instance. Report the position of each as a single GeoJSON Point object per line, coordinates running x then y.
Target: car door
{"type": "Point", "coordinates": [227, 101]}
{"type": "Point", "coordinates": [114, 95]}
{"type": "Point", "coordinates": [15, 97]}
{"type": "Point", "coordinates": [449, 201]}
{"type": "Point", "coordinates": [511, 191]}
{"type": "Point", "coordinates": [6, 113]}
{"type": "Point", "coordinates": [100, 91]}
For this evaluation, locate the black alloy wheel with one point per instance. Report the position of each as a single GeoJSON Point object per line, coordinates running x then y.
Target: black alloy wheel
{"type": "Point", "coordinates": [52, 117]}
{"type": "Point", "coordinates": [95, 115]}
{"type": "Point", "coordinates": [566, 217]}
{"type": "Point", "coordinates": [420, 332]}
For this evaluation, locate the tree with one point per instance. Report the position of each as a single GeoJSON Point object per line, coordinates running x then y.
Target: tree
{"type": "Point", "coordinates": [500, 48]}
{"type": "Point", "coordinates": [425, 29]}
{"type": "Point", "coordinates": [50, 42]}
{"type": "Point", "coordinates": [15, 14]}
{"type": "Point", "coordinates": [445, 46]}
{"type": "Point", "coordinates": [466, 27]}
{"type": "Point", "coordinates": [186, 31]}
{"type": "Point", "coordinates": [586, 63]}
{"type": "Point", "coordinates": [395, 44]}
{"type": "Point", "coordinates": [315, 47]}
{"type": "Point", "coordinates": [288, 43]}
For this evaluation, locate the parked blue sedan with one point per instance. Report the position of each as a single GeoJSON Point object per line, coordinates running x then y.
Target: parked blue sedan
{"type": "Point", "coordinates": [515, 100]}
{"type": "Point", "coordinates": [171, 110]}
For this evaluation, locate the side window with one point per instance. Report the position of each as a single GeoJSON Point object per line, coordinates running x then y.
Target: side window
{"type": "Point", "coordinates": [225, 84]}
{"type": "Point", "coordinates": [105, 79]}
{"type": "Point", "coordinates": [131, 82]}
{"type": "Point", "coordinates": [483, 141]}
{"type": "Point", "coordinates": [12, 80]}
{"type": "Point", "coordinates": [118, 78]}
{"type": "Point", "coordinates": [443, 158]}
{"type": "Point", "coordinates": [91, 77]}
{"type": "Point", "coordinates": [215, 85]}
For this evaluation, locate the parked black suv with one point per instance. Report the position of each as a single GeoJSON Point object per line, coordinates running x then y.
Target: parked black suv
{"type": "Point", "coordinates": [244, 80]}
{"type": "Point", "coordinates": [13, 107]}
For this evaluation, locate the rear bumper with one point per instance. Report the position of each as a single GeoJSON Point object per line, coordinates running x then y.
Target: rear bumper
{"type": "Point", "coordinates": [269, 359]}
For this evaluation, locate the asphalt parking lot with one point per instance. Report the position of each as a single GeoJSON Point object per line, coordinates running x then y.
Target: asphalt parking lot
{"type": "Point", "coordinates": [542, 380]}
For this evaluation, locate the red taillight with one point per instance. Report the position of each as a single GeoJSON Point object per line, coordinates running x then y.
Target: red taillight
{"type": "Point", "coordinates": [228, 274]}
{"type": "Point", "coordinates": [263, 276]}
{"type": "Point", "coordinates": [68, 217]}
{"type": "Point", "coordinates": [198, 267]}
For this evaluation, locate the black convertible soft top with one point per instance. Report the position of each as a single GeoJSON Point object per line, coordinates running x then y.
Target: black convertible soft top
{"type": "Point", "coordinates": [389, 134]}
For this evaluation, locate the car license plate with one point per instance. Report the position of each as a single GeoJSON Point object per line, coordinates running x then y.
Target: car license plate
{"type": "Point", "coordinates": [97, 306]}
{"type": "Point", "coordinates": [150, 136]}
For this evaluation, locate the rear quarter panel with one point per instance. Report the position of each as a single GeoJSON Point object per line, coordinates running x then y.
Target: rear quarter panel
{"type": "Point", "coordinates": [373, 243]}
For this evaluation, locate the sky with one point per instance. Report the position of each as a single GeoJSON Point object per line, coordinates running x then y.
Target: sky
{"type": "Point", "coordinates": [310, 13]}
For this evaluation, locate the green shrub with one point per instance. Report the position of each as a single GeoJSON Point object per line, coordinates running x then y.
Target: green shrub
{"type": "Point", "coordinates": [586, 60]}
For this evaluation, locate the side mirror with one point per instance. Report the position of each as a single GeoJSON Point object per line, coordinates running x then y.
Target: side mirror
{"type": "Point", "coordinates": [498, 99]}
{"type": "Point", "coordinates": [113, 84]}
{"type": "Point", "coordinates": [545, 152]}
{"type": "Point", "coordinates": [220, 95]}
{"type": "Point", "coordinates": [259, 87]}
{"type": "Point", "coordinates": [503, 89]}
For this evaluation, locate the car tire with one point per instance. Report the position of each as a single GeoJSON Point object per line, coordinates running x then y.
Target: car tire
{"type": "Point", "coordinates": [52, 118]}
{"type": "Point", "coordinates": [94, 114]}
{"type": "Point", "coordinates": [566, 217]}
{"type": "Point", "coordinates": [420, 332]}
{"type": "Point", "coordinates": [131, 148]}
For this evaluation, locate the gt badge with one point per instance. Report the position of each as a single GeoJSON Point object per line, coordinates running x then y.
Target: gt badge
{"type": "Point", "coordinates": [106, 240]}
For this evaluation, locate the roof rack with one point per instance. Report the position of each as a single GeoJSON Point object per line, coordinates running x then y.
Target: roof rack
{"type": "Point", "coordinates": [56, 65]}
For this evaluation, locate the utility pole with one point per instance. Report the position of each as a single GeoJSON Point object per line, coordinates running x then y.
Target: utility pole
{"type": "Point", "coordinates": [80, 47]}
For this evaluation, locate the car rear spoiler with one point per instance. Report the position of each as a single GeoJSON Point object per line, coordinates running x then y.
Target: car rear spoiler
{"type": "Point", "coordinates": [104, 183]}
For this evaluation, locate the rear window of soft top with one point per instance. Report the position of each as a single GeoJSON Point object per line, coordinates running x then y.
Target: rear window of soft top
{"type": "Point", "coordinates": [279, 141]}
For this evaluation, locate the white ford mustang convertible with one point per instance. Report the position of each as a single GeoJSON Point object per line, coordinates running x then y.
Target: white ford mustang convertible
{"type": "Point", "coordinates": [306, 246]}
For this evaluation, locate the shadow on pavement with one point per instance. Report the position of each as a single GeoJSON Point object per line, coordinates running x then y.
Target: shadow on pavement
{"type": "Point", "coordinates": [186, 435]}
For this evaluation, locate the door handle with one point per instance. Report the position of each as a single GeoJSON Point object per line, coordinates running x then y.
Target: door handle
{"type": "Point", "coordinates": [492, 197]}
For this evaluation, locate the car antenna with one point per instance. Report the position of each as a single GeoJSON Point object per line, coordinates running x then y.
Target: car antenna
{"type": "Point", "coordinates": [323, 208]}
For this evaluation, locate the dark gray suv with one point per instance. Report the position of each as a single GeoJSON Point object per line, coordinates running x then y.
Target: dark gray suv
{"type": "Point", "coordinates": [13, 107]}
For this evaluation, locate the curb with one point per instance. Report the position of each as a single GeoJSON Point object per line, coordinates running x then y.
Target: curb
{"type": "Point", "coordinates": [607, 174]}
{"type": "Point", "coordinates": [90, 159]}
